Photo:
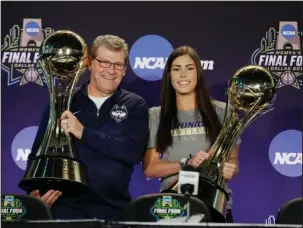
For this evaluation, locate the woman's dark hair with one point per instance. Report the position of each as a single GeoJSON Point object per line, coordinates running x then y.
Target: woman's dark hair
{"type": "Point", "coordinates": [168, 115]}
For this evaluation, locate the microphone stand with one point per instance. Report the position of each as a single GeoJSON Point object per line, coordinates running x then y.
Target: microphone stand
{"type": "Point", "coordinates": [187, 190]}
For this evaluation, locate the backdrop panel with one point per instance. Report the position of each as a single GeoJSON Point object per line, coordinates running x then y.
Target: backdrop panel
{"type": "Point", "coordinates": [226, 35]}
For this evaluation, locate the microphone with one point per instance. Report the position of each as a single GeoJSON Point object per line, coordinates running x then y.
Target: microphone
{"type": "Point", "coordinates": [188, 184]}
{"type": "Point", "coordinates": [187, 189]}
{"type": "Point", "coordinates": [188, 180]}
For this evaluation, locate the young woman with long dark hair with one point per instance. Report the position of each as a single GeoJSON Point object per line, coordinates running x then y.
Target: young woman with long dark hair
{"type": "Point", "coordinates": [186, 124]}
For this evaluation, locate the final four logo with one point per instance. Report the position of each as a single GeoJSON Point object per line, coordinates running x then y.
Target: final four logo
{"type": "Point", "coordinates": [12, 209]}
{"type": "Point", "coordinates": [167, 208]}
{"type": "Point", "coordinates": [20, 53]}
{"type": "Point", "coordinates": [281, 52]}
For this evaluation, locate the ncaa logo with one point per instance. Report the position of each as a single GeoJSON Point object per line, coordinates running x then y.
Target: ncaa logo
{"type": "Point", "coordinates": [22, 144]}
{"type": "Point", "coordinates": [148, 56]}
{"type": "Point", "coordinates": [32, 28]}
{"type": "Point", "coordinates": [285, 153]}
{"type": "Point", "coordinates": [288, 31]}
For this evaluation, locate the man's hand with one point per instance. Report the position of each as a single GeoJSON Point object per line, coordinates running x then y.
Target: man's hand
{"type": "Point", "coordinates": [229, 170]}
{"type": "Point", "coordinates": [71, 124]}
{"type": "Point", "coordinates": [50, 197]}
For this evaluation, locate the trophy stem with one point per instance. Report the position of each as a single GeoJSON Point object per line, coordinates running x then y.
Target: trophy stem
{"type": "Point", "coordinates": [70, 95]}
{"type": "Point", "coordinates": [74, 83]}
{"type": "Point", "coordinates": [227, 125]}
{"type": "Point", "coordinates": [231, 130]}
{"type": "Point", "coordinates": [55, 142]}
{"type": "Point", "coordinates": [225, 141]}
{"type": "Point", "coordinates": [52, 113]}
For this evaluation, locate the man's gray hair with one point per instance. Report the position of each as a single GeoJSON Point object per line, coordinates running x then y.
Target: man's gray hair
{"type": "Point", "coordinates": [111, 42]}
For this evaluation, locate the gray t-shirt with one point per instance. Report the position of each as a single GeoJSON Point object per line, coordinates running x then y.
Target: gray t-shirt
{"type": "Point", "coordinates": [188, 138]}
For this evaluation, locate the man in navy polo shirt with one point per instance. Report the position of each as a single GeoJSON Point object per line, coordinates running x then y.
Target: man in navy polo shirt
{"type": "Point", "coordinates": [111, 134]}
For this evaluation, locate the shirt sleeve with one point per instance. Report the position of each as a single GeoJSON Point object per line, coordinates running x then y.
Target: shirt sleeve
{"type": "Point", "coordinates": [153, 114]}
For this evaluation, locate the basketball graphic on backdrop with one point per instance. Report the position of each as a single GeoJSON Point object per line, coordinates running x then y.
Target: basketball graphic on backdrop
{"type": "Point", "coordinates": [31, 75]}
{"type": "Point", "coordinates": [287, 78]}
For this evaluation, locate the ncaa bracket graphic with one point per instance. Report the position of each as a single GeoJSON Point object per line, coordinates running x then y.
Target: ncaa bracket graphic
{"type": "Point", "coordinates": [20, 53]}
{"type": "Point", "coordinates": [281, 52]}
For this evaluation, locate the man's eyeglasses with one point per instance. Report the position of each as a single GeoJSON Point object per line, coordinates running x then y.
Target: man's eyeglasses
{"type": "Point", "coordinates": [107, 64]}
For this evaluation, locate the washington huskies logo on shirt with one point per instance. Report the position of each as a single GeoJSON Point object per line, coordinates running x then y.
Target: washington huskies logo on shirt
{"type": "Point", "coordinates": [118, 113]}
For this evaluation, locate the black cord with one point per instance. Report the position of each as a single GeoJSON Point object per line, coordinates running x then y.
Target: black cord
{"type": "Point", "coordinates": [187, 190]}
{"type": "Point", "coordinates": [187, 198]}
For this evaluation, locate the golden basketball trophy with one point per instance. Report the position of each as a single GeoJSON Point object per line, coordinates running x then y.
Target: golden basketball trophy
{"type": "Point", "coordinates": [251, 92]}
{"type": "Point", "coordinates": [63, 57]}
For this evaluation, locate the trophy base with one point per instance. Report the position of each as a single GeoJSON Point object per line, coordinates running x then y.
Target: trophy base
{"type": "Point", "coordinates": [214, 197]}
{"type": "Point", "coordinates": [58, 173]}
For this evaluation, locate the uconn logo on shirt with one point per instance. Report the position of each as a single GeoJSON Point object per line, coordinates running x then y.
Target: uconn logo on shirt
{"type": "Point", "coordinates": [118, 113]}
{"type": "Point", "coordinates": [285, 153]}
